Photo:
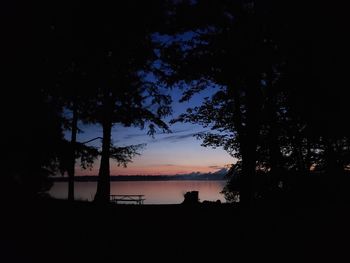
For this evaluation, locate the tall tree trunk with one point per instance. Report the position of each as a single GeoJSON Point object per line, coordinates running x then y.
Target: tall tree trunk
{"type": "Point", "coordinates": [298, 151]}
{"type": "Point", "coordinates": [248, 149]}
{"type": "Point", "coordinates": [273, 140]}
{"type": "Point", "coordinates": [334, 171]}
{"type": "Point", "coordinates": [103, 184]}
{"type": "Point", "coordinates": [249, 143]}
{"type": "Point", "coordinates": [71, 170]}
{"type": "Point", "coordinates": [308, 155]}
{"type": "Point", "coordinates": [248, 139]}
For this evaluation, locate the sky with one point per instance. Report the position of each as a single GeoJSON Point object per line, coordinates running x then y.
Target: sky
{"type": "Point", "coordinates": [173, 153]}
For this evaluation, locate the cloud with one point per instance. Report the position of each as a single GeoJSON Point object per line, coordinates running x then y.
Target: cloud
{"type": "Point", "coordinates": [174, 136]}
{"type": "Point", "coordinates": [179, 131]}
{"type": "Point", "coordinates": [221, 171]}
{"type": "Point", "coordinates": [134, 135]}
{"type": "Point", "coordinates": [179, 137]}
{"type": "Point", "coordinates": [215, 167]}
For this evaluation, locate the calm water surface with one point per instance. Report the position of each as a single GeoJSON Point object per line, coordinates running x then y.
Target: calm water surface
{"type": "Point", "coordinates": [156, 192]}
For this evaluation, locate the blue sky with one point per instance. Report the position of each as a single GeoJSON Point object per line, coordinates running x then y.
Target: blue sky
{"type": "Point", "coordinates": [165, 154]}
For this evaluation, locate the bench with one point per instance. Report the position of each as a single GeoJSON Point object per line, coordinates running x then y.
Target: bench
{"type": "Point", "coordinates": [137, 199]}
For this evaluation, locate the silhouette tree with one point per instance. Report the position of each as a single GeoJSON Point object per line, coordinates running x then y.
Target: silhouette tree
{"type": "Point", "coordinates": [235, 51]}
{"type": "Point", "coordinates": [273, 109]}
{"type": "Point", "coordinates": [33, 118]}
{"type": "Point", "coordinates": [34, 133]}
{"type": "Point", "coordinates": [121, 53]}
{"type": "Point", "coordinates": [65, 69]}
{"type": "Point", "coordinates": [73, 93]}
{"type": "Point", "coordinates": [100, 68]}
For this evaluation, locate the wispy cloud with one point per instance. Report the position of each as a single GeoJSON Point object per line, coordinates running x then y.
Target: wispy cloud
{"type": "Point", "coordinates": [215, 167]}
{"type": "Point", "coordinates": [175, 138]}
{"type": "Point", "coordinates": [134, 135]}
{"type": "Point", "coordinates": [178, 137]}
{"type": "Point", "coordinates": [180, 131]}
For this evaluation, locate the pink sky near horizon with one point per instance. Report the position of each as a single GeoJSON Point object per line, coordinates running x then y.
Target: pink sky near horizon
{"type": "Point", "coordinates": [154, 170]}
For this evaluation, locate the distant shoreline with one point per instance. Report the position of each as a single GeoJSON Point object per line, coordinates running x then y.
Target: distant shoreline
{"type": "Point", "coordinates": [88, 178]}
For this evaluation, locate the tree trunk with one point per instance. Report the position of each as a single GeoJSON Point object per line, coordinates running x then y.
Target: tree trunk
{"type": "Point", "coordinates": [308, 155]}
{"type": "Point", "coordinates": [273, 140]}
{"type": "Point", "coordinates": [249, 143]}
{"type": "Point", "coordinates": [103, 183]}
{"type": "Point", "coordinates": [71, 170]}
{"type": "Point", "coordinates": [298, 150]}
{"type": "Point", "coordinates": [248, 171]}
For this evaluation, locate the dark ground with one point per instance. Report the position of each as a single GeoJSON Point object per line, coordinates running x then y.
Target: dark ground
{"type": "Point", "coordinates": [56, 231]}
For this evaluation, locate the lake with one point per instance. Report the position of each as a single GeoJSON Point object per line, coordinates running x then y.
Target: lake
{"type": "Point", "coordinates": [156, 192]}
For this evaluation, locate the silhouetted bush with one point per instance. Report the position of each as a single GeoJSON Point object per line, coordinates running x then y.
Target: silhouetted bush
{"type": "Point", "coordinates": [191, 198]}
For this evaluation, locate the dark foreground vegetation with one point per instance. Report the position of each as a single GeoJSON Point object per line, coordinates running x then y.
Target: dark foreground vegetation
{"type": "Point", "coordinates": [40, 232]}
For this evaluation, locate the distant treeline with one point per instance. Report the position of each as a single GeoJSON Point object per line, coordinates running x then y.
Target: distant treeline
{"type": "Point", "coordinates": [89, 178]}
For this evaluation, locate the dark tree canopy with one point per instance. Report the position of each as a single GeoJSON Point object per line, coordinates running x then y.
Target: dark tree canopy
{"type": "Point", "coordinates": [279, 100]}
{"type": "Point", "coordinates": [93, 60]}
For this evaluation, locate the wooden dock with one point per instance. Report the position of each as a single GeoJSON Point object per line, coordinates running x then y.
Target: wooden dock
{"type": "Point", "coordinates": [122, 199]}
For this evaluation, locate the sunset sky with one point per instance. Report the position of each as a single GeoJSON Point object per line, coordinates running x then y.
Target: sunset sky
{"type": "Point", "coordinates": [165, 154]}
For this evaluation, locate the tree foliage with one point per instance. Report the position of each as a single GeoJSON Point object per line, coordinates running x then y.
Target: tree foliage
{"type": "Point", "coordinates": [269, 109]}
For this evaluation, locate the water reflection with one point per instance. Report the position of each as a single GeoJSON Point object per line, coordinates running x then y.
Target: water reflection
{"type": "Point", "coordinates": [156, 192]}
